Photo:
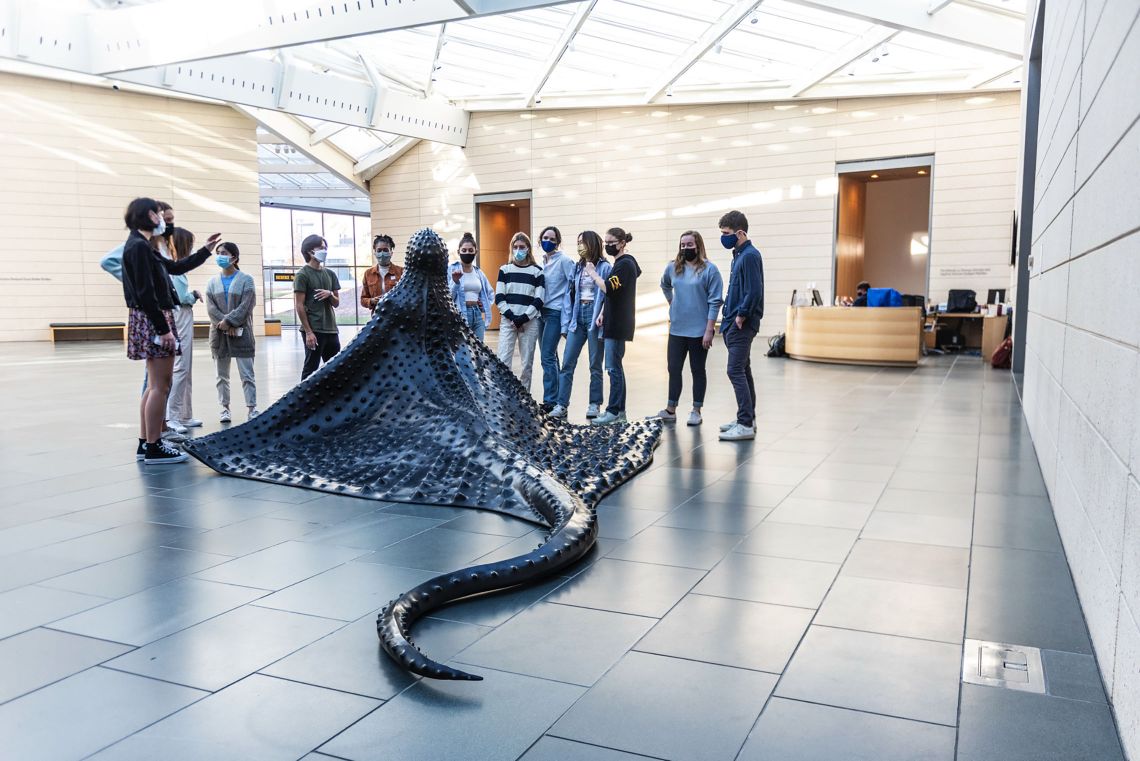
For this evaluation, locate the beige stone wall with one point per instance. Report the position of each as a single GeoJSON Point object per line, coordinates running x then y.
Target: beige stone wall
{"type": "Point", "coordinates": [659, 171]}
{"type": "Point", "coordinates": [73, 156]}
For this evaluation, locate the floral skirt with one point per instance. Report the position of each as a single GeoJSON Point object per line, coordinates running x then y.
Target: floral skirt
{"type": "Point", "coordinates": [140, 337]}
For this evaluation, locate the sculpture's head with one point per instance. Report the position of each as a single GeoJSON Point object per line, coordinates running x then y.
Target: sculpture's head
{"type": "Point", "coordinates": [426, 253]}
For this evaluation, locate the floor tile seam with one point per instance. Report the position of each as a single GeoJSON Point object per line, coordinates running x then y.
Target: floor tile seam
{"type": "Point", "coordinates": [66, 676]}
{"type": "Point", "coordinates": [926, 722]}
{"type": "Point", "coordinates": [344, 621]}
{"type": "Point", "coordinates": [904, 581]}
{"type": "Point", "coordinates": [260, 672]}
{"type": "Point", "coordinates": [1017, 549]}
{"type": "Point", "coordinates": [359, 719]}
{"type": "Point", "coordinates": [150, 724]}
{"type": "Point", "coordinates": [88, 636]}
{"type": "Point", "coordinates": [893, 634]}
{"type": "Point", "coordinates": [635, 649]}
{"type": "Point", "coordinates": [548, 733]}
{"type": "Point", "coordinates": [502, 670]}
{"type": "Point", "coordinates": [966, 617]}
{"type": "Point", "coordinates": [206, 692]}
{"type": "Point", "coordinates": [586, 607]}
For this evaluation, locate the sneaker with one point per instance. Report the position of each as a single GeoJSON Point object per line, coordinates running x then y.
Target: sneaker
{"type": "Point", "coordinates": [163, 454]}
{"type": "Point", "coordinates": [727, 426]}
{"type": "Point", "coordinates": [225, 416]}
{"type": "Point", "coordinates": [140, 453]}
{"type": "Point", "coordinates": [547, 407]}
{"type": "Point", "coordinates": [608, 418]}
{"type": "Point", "coordinates": [665, 415]}
{"type": "Point", "coordinates": [173, 437]}
{"type": "Point", "coordinates": [592, 412]}
{"type": "Point", "coordinates": [558, 411]}
{"type": "Point", "coordinates": [695, 418]}
{"type": "Point", "coordinates": [191, 423]}
{"type": "Point", "coordinates": [174, 425]}
{"type": "Point", "coordinates": [253, 412]}
{"type": "Point", "coordinates": [738, 433]}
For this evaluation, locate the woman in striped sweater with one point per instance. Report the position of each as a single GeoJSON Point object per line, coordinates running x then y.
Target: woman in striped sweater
{"type": "Point", "coordinates": [518, 295]}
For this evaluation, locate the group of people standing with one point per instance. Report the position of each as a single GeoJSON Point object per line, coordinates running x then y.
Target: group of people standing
{"type": "Point", "coordinates": [152, 266]}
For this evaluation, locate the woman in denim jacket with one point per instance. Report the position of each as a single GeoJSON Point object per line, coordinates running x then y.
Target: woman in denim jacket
{"type": "Point", "coordinates": [581, 316]}
{"type": "Point", "coordinates": [470, 289]}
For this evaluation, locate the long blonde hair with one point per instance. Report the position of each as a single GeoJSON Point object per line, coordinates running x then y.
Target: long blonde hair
{"type": "Point", "coordinates": [529, 261]}
{"type": "Point", "coordinates": [702, 257]}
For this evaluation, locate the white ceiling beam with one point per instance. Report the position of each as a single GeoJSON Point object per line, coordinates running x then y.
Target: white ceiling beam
{"type": "Point", "coordinates": [440, 40]}
{"type": "Point", "coordinates": [325, 131]}
{"type": "Point", "coordinates": [990, 76]}
{"type": "Point", "coordinates": [559, 50]}
{"type": "Point", "coordinates": [728, 21]}
{"type": "Point", "coordinates": [375, 162]}
{"type": "Point", "coordinates": [283, 168]}
{"type": "Point", "coordinates": [310, 193]}
{"type": "Point", "coordinates": [965, 25]}
{"type": "Point", "coordinates": [835, 62]}
{"type": "Point", "coordinates": [216, 28]}
{"type": "Point", "coordinates": [295, 133]}
{"type": "Point", "coordinates": [936, 5]}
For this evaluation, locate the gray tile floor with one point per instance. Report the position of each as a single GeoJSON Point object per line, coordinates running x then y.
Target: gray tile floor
{"type": "Point", "coordinates": [803, 596]}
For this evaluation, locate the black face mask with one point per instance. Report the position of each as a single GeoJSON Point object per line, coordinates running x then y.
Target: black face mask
{"type": "Point", "coordinates": [467, 258]}
{"type": "Point", "coordinates": [612, 249]}
{"type": "Point", "coordinates": [690, 254]}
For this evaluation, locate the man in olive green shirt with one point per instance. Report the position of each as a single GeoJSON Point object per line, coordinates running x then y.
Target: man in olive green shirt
{"type": "Point", "coordinates": [316, 294]}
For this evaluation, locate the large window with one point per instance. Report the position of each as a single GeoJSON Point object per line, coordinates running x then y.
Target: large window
{"type": "Point", "coordinates": [350, 253]}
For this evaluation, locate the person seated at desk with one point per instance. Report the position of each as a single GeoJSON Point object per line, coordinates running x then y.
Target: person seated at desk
{"type": "Point", "coordinates": [861, 294]}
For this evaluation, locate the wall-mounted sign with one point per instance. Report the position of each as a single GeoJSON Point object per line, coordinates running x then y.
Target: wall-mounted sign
{"type": "Point", "coordinates": [283, 277]}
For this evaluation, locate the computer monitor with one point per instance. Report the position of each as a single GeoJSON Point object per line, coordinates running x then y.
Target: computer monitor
{"type": "Point", "coordinates": [996, 296]}
{"type": "Point", "coordinates": [816, 299]}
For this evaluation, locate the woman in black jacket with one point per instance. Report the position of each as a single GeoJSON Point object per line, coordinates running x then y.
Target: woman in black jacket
{"type": "Point", "coordinates": [617, 318]}
{"type": "Point", "coordinates": [150, 328]}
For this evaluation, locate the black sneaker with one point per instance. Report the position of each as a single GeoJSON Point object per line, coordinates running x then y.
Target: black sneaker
{"type": "Point", "coordinates": [163, 454]}
{"type": "Point", "coordinates": [547, 407]}
{"type": "Point", "coordinates": [140, 453]}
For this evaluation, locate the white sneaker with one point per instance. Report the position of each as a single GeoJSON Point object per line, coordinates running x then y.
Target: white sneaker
{"type": "Point", "coordinates": [665, 415]}
{"type": "Point", "coordinates": [254, 412]}
{"type": "Point", "coordinates": [592, 412]}
{"type": "Point", "coordinates": [191, 423]}
{"type": "Point", "coordinates": [608, 418]}
{"type": "Point", "coordinates": [173, 437]}
{"type": "Point", "coordinates": [727, 426]}
{"type": "Point", "coordinates": [738, 433]}
{"type": "Point", "coordinates": [695, 418]}
{"type": "Point", "coordinates": [225, 416]}
{"type": "Point", "coordinates": [558, 411]}
{"type": "Point", "coordinates": [175, 426]}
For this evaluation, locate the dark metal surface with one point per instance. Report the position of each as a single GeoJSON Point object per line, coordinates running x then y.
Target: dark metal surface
{"type": "Point", "coordinates": [416, 409]}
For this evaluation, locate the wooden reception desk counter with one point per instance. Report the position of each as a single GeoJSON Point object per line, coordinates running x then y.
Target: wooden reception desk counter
{"type": "Point", "coordinates": [855, 335]}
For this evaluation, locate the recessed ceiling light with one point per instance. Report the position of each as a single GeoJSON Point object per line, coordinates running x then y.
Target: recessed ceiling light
{"type": "Point", "coordinates": [922, 171]}
{"type": "Point", "coordinates": [874, 177]}
{"type": "Point", "coordinates": [512, 204]}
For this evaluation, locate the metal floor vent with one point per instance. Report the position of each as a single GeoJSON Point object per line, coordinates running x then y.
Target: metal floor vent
{"type": "Point", "coordinates": [996, 664]}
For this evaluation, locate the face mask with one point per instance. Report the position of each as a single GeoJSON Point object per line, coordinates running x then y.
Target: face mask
{"type": "Point", "coordinates": [467, 258]}
{"type": "Point", "coordinates": [728, 241]}
{"type": "Point", "coordinates": [161, 228]}
{"type": "Point", "coordinates": [690, 254]}
{"type": "Point", "coordinates": [611, 249]}
{"type": "Point", "coordinates": [582, 250]}
{"type": "Point", "coordinates": [548, 246]}
{"type": "Point", "coordinates": [320, 254]}
{"type": "Point", "coordinates": [520, 255]}
{"type": "Point", "coordinates": [223, 261]}
{"type": "Point", "coordinates": [383, 257]}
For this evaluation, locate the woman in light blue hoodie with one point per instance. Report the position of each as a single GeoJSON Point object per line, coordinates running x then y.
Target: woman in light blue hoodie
{"type": "Point", "coordinates": [695, 291]}
{"type": "Point", "coordinates": [470, 289]}
{"type": "Point", "coordinates": [581, 316]}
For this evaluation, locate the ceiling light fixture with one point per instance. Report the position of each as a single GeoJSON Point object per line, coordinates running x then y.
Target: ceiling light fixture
{"type": "Point", "coordinates": [874, 177]}
{"type": "Point", "coordinates": [754, 19]}
{"type": "Point", "coordinates": [718, 48]}
{"type": "Point", "coordinates": [669, 92]}
{"type": "Point", "coordinates": [922, 171]}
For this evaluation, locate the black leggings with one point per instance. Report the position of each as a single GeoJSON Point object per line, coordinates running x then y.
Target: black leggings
{"type": "Point", "coordinates": [328, 344]}
{"type": "Point", "coordinates": [679, 346]}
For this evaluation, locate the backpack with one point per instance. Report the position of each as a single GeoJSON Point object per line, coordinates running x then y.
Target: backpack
{"type": "Point", "coordinates": [776, 346]}
{"type": "Point", "coordinates": [1003, 354]}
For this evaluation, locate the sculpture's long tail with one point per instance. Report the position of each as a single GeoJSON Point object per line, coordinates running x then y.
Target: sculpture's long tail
{"type": "Point", "coordinates": [574, 530]}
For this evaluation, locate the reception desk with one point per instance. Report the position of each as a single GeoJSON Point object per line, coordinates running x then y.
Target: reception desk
{"type": "Point", "coordinates": [855, 335]}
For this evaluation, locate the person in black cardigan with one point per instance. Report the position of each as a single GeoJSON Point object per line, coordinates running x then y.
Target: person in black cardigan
{"type": "Point", "coordinates": [149, 295]}
{"type": "Point", "coordinates": [617, 318]}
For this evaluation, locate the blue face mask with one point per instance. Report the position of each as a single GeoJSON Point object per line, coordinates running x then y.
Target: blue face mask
{"type": "Point", "coordinates": [520, 255]}
{"type": "Point", "coordinates": [223, 261]}
{"type": "Point", "coordinates": [728, 241]}
{"type": "Point", "coordinates": [549, 246]}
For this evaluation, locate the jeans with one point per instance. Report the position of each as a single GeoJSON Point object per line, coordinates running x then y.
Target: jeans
{"type": "Point", "coordinates": [679, 348]}
{"type": "Point", "coordinates": [328, 344]}
{"type": "Point", "coordinates": [584, 334]}
{"type": "Point", "coordinates": [245, 372]}
{"type": "Point", "coordinates": [178, 403]}
{"type": "Point", "coordinates": [615, 353]}
{"type": "Point", "coordinates": [739, 344]}
{"type": "Point", "coordinates": [551, 333]}
{"type": "Point", "coordinates": [527, 337]}
{"type": "Point", "coordinates": [474, 318]}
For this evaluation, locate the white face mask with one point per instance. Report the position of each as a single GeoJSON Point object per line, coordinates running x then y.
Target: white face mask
{"type": "Point", "coordinates": [161, 229]}
{"type": "Point", "coordinates": [320, 255]}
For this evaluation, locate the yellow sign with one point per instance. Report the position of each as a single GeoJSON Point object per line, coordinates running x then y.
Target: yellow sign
{"type": "Point", "coordinates": [283, 277]}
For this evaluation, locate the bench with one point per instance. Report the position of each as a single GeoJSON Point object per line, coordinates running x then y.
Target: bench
{"type": "Point", "coordinates": [88, 331]}
{"type": "Point", "coordinates": [201, 328]}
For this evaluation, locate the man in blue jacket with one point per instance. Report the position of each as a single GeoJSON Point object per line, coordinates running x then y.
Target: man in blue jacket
{"type": "Point", "coordinates": [743, 308]}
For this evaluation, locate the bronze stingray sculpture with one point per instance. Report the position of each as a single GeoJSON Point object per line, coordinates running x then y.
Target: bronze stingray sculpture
{"type": "Point", "coordinates": [416, 409]}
